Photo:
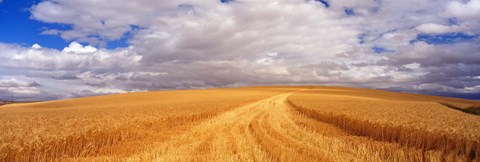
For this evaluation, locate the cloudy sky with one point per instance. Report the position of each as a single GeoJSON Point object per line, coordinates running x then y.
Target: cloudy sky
{"type": "Point", "coordinates": [53, 49]}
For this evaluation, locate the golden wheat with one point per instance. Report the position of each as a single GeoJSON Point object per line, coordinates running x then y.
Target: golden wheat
{"type": "Point", "coordinates": [105, 126]}
{"type": "Point", "coordinates": [242, 124]}
{"type": "Point", "coordinates": [419, 122]}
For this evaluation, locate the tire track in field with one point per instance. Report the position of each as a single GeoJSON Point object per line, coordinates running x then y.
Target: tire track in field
{"type": "Point", "coordinates": [226, 137]}
{"type": "Point", "coordinates": [267, 130]}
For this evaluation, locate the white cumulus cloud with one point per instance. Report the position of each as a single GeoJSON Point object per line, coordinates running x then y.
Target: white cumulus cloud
{"type": "Point", "coordinates": [197, 44]}
{"type": "Point", "coordinates": [434, 28]}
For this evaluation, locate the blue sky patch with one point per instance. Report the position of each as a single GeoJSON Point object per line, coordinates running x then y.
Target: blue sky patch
{"type": "Point", "coordinates": [226, 1]}
{"type": "Point", "coordinates": [446, 38]}
{"type": "Point", "coordinates": [123, 41]}
{"type": "Point", "coordinates": [349, 11]}
{"type": "Point", "coordinates": [324, 2]}
{"type": "Point", "coordinates": [379, 50]}
{"type": "Point", "coordinates": [18, 28]}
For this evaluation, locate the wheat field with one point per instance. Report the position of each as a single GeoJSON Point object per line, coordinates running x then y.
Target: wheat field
{"type": "Point", "coordinates": [270, 123]}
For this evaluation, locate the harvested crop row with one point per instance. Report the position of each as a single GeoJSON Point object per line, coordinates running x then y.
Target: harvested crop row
{"type": "Point", "coordinates": [420, 124]}
{"type": "Point", "coordinates": [278, 129]}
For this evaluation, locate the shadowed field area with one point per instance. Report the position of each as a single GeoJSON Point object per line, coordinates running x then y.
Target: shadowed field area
{"type": "Point", "coordinates": [244, 124]}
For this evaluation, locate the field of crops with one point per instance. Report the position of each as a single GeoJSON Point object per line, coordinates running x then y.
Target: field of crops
{"type": "Point", "coordinates": [243, 124]}
{"type": "Point", "coordinates": [423, 126]}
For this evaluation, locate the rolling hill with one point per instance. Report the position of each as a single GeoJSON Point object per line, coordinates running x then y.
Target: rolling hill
{"type": "Point", "coordinates": [271, 123]}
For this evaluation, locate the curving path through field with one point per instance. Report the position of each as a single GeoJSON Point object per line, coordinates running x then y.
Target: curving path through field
{"type": "Point", "coordinates": [270, 130]}
{"type": "Point", "coordinates": [265, 130]}
{"type": "Point", "coordinates": [261, 131]}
